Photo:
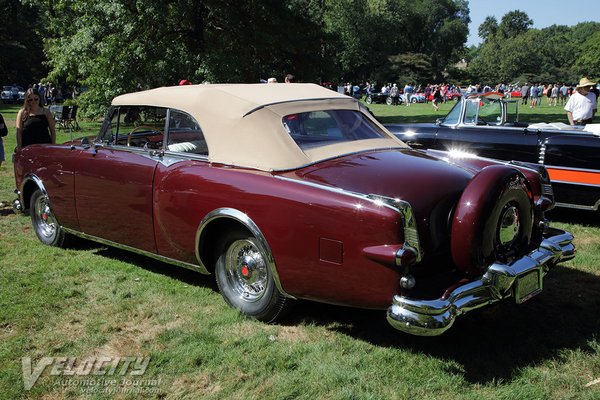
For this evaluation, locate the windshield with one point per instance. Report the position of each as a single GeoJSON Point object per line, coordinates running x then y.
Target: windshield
{"type": "Point", "coordinates": [321, 128]}
{"type": "Point", "coordinates": [490, 112]}
{"type": "Point", "coordinates": [483, 111]}
{"type": "Point", "coordinates": [453, 116]}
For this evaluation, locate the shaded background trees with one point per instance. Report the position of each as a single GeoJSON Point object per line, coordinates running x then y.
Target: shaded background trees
{"type": "Point", "coordinates": [514, 52]}
{"type": "Point", "coordinates": [21, 46]}
{"type": "Point", "coordinates": [115, 46]}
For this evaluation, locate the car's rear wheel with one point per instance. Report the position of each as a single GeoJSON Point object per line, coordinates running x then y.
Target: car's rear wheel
{"type": "Point", "coordinates": [44, 221]}
{"type": "Point", "coordinates": [369, 99]}
{"type": "Point", "coordinates": [245, 279]}
{"type": "Point", "coordinates": [388, 101]}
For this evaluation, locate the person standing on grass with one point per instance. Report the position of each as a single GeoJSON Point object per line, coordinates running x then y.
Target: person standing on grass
{"type": "Point", "coordinates": [553, 90]}
{"type": "Point", "coordinates": [563, 91]}
{"type": "Point", "coordinates": [437, 97]}
{"type": "Point", "coordinates": [581, 106]}
{"type": "Point", "coordinates": [3, 133]}
{"type": "Point", "coordinates": [524, 93]}
{"type": "Point", "coordinates": [35, 123]}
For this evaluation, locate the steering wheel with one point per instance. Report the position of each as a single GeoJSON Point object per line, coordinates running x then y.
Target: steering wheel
{"type": "Point", "coordinates": [140, 128]}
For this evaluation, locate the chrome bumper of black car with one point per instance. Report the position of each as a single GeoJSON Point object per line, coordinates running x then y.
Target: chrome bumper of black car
{"type": "Point", "coordinates": [522, 279]}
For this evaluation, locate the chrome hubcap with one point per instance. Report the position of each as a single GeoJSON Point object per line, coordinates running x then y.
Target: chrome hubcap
{"type": "Point", "coordinates": [509, 225]}
{"type": "Point", "coordinates": [44, 217]}
{"type": "Point", "coordinates": [246, 270]}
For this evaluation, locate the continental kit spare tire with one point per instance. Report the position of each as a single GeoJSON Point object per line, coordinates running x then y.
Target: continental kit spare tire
{"type": "Point", "coordinates": [492, 221]}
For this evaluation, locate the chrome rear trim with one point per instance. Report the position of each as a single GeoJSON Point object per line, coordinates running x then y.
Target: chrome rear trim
{"type": "Point", "coordinates": [434, 317]}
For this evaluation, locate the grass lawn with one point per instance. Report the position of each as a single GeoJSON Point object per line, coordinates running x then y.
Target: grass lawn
{"type": "Point", "coordinates": [92, 301]}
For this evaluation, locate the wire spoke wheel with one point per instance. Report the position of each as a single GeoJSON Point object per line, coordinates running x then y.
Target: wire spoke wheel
{"type": "Point", "coordinates": [246, 270]}
{"type": "Point", "coordinates": [244, 275]}
{"type": "Point", "coordinates": [45, 224]}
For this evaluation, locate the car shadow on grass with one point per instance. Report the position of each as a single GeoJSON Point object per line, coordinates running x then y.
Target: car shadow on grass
{"type": "Point", "coordinates": [493, 343]}
{"type": "Point", "coordinates": [572, 216]}
{"type": "Point", "coordinates": [184, 275]}
{"type": "Point", "coordinates": [489, 344]}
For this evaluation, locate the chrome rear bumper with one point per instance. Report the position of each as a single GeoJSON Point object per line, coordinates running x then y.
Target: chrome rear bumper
{"type": "Point", "coordinates": [500, 281]}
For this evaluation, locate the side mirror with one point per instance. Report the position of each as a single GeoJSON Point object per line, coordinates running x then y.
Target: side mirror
{"type": "Point", "coordinates": [439, 121]}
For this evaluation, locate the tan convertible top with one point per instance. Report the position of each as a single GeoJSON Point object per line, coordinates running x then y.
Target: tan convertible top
{"type": "Point", "coordinates": [242, 123]}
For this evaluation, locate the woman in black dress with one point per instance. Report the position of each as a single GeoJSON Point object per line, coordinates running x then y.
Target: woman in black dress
{"type": "Point", "coordinates": [3, 132]}
{"type": "Point", "coordinates": [35, 123]}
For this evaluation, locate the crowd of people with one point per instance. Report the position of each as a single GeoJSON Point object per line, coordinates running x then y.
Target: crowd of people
{"type": "Point", "coordinates": [35, 123]}
{"type": "Point", "coordinates": [531, 94]}
{"type": "Point", "coordinates": [434, 93]}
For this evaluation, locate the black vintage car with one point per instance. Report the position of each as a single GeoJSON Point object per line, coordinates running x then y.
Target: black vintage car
{"type": "Point", "coordinates": [379, 98]}
{"type": "Point", "coordinates": [488, 126]}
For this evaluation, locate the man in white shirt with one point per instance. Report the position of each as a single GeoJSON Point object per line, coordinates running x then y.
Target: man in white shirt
{"type": "Point", "coordinates": [581, 106]}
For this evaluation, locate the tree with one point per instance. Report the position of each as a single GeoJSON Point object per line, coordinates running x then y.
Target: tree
{"type": "Point", "coordinates": [21, 44]}
{"type": "Point", "coordinates": [115, 46]}
{"type": "Point", "coordinates": [513, 24]}
{"type": "Point", "coordinates": [488, 28]}
{"type": "Point", "coordinates": [588, 62]}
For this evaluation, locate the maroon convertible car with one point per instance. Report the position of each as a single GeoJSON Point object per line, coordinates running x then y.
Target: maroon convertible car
{"type": "Point", "coordinates": [290, 192]}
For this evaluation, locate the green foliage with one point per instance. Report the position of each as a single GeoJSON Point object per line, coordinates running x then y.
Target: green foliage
{"type": "Point", "coordinates": [516, 53]}
{"type": "Point", "coordinates": [588, 62]}
{"type": "Point", "coordinates": [20, 44]}
{"type": "Point", "coordinates": [488, 28]}
{"type": "Point", "coordinates": [514, 23]}
{"type": "Point", "coordinates": [112, 47]}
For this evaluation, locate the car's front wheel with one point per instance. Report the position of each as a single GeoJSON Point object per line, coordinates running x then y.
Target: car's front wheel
{"type": "Point", "coordinates": [369, 99]}
{"type": "Point", "coordinates": [244, 278]}
{"type": "Point", "coordinates": [44, 222]}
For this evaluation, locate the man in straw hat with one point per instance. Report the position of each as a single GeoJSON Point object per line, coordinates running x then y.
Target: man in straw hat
{"type": "Point", "coordinates": [581, 106]}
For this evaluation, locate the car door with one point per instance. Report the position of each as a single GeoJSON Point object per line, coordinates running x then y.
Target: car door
{"type": "Point", "coordinates": [114, 178]}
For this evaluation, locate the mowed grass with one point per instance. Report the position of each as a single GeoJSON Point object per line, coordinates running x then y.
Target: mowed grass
{"type": "Point", "coordinates": [93, 300]}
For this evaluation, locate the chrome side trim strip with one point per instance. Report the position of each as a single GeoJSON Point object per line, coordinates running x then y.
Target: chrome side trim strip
{"type": "Point", "coordinates": [411, 233]}
{"type": "Point", "coordinates": [579, 206]}
{"type": "Point", "coordinates": [245, 220]}
{"type": "Point", "coordinates": [373, 199]}
{"type": "Point", "coordinates": [572, 168]}
{"type": "Point", "coordinates": [575, 183]}
{"type": "Point", "coordinates": [198, 268]}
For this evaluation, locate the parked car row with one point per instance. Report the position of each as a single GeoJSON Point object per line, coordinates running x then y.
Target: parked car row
{"type": "Point", "coordinates": [12, 94]}
{"type": "Point", "coordinates": [287, 192]}
{"type": "Point", "coordinates": [381, 98]}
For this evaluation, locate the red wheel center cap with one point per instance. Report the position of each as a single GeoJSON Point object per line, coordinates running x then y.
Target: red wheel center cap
{"type": "Point", "coordinates": [44, 216]}
{"type": "Point", "coordinates": [245, 271]}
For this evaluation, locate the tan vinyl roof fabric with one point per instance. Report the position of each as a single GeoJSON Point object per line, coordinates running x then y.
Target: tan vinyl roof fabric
{"type": "Point", "coordinates": [242, 123]}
